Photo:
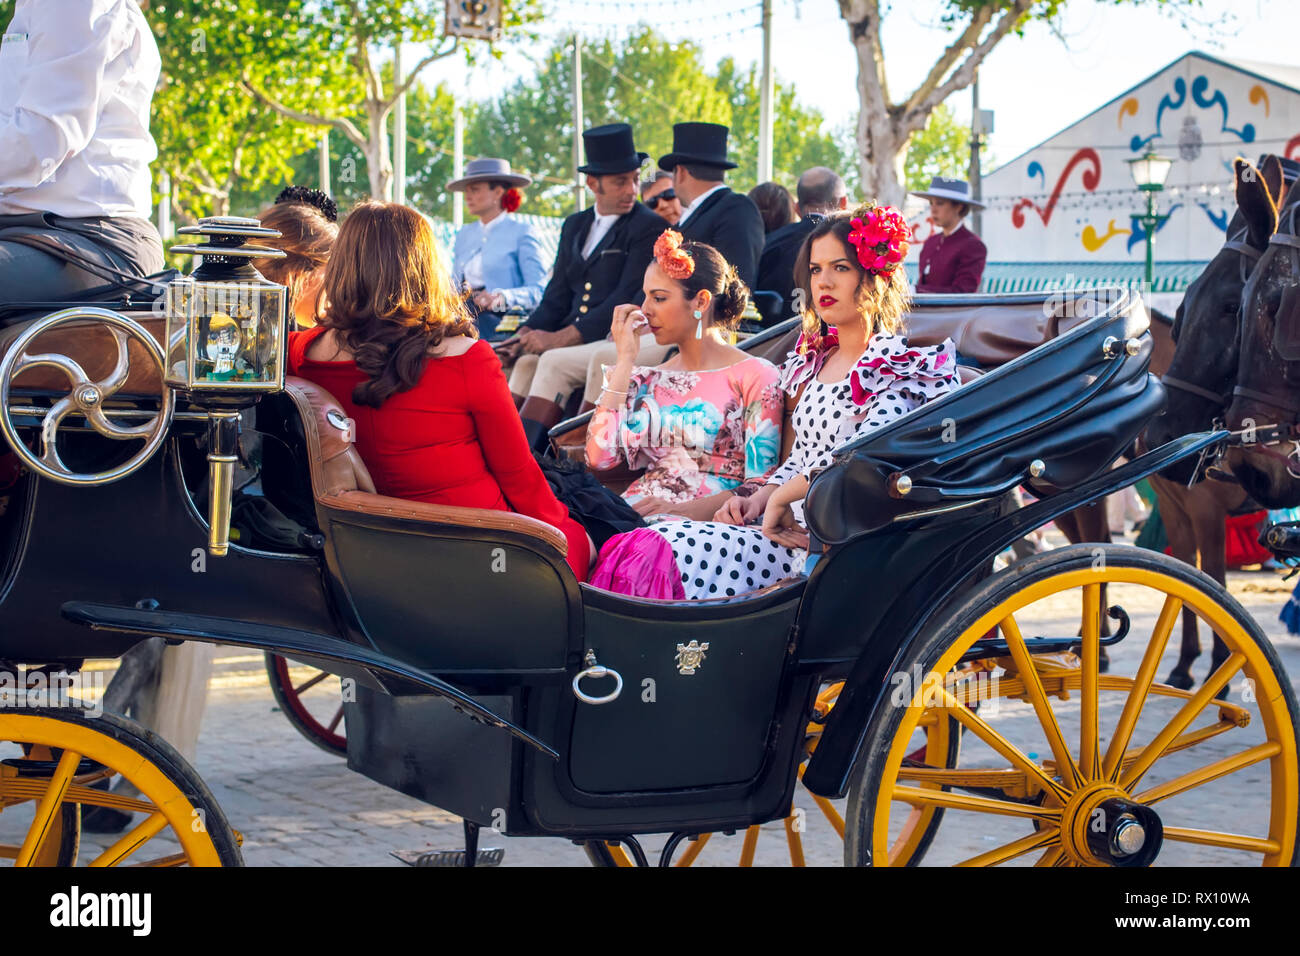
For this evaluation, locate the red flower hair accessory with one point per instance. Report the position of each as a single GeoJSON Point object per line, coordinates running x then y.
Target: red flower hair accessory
{"type": "Point", "coordinates": [672, 258]}
{"type": "Point", "coordinates": [881, 237]}
{"type": "Point", "coordinates": [511, 199]}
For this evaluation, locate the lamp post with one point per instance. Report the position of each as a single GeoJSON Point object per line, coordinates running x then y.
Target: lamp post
{"type": "Point", "coordinates": [1150, 172]}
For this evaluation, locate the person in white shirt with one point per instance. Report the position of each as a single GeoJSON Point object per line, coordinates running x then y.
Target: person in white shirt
{"type": "Point", "coordinates": [76, 82]}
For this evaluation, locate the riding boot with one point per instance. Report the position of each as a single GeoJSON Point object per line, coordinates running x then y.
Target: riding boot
{"type": "Point", "coordinates": [539, 416]}
{"type": "Point", "coordinates": [519, 400]}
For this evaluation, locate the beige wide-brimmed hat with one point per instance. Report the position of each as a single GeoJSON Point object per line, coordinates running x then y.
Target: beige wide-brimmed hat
{"type": "Point", "coordinates": [488, 170]}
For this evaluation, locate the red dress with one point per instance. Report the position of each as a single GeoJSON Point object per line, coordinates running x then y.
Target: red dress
{"type": "Point", "coordinates": [453, 439]}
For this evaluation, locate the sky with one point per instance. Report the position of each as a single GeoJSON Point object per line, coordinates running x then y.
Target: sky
{"type": "Point", "coordinates": [1036, 85]}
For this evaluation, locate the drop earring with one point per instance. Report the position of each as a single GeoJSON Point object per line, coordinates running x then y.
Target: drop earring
{"type": "Point", "coordinates": [699, 324]}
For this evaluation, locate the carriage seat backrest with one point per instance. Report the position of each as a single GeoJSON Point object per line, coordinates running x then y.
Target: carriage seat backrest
{"type": "Point", "coordinates": [341, 481]}
{"type": "Point", "coordinates": [90, 344]}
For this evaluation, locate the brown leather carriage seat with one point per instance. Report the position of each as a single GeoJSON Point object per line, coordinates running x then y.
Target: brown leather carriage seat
{"type": "Point", "coordinates": [340, 480]}
{"type": "Point", "coordinates": [90, 344]}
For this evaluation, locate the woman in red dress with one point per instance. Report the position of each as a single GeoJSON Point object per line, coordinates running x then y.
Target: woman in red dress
{"type": "Point", "coordinates": [434, 418]}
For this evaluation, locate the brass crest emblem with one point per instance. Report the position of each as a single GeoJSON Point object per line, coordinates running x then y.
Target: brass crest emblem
{"type": "Point", "coordinates": [690, 656]}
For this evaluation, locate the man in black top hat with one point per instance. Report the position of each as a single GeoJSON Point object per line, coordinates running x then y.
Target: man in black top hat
{"type": "Point", "coordinates": [711, 212]}
{"type": "Point", "coordinates": [601, 262]}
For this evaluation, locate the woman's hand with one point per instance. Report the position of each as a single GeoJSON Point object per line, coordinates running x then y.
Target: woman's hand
{"type": "Point", "coordinates": [651, 505]}
{"type": "Point", "coordinates": [625, 330]}
{"type": "Point", "coordinates": [745, 510]}
{"type": "Point", "coordinates": [778, 517]}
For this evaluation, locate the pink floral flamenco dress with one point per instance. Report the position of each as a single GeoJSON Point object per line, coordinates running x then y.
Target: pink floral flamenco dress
{"type": "Point", "coordinates": [695, 434]}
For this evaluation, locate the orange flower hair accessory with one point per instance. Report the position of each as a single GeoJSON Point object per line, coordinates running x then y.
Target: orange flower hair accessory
{"type": "Point", "coordinates": [511, 199]}
{"type": "Point", "coordinates": [672, 258]}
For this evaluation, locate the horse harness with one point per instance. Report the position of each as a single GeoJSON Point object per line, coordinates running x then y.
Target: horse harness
{"type": "Point", "coordinates": [1248, 257]}
{"type": "Point", "coordinates": [1262, 437]}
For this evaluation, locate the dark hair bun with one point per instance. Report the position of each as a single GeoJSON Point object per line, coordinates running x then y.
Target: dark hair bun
{"type": "Point", "coordinates": [729, 304]}
{"type": "Point", "coordinates": [307, 196]}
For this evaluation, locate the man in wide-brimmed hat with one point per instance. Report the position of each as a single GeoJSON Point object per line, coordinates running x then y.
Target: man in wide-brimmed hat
{"type": "Point", "coordinates": [952, 259]}
{"type": "Point", "coordinates": [711, 212]}
{"type": "Point", "coordinates": [601, 262]}
{"type": "Point", "coordinates": [497, 259]}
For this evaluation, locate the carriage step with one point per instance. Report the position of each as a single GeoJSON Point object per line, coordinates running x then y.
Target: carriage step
{"type": "Point", "coordinates": [486, 857]}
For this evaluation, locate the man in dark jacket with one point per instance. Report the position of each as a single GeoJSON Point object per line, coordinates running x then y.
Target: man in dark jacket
{"type": "Point", "coordinates": [820, 193]}
{"type": "Point", "coordinates": [711, 212]}
{"type": "Point", "coordinates": [600, 263]}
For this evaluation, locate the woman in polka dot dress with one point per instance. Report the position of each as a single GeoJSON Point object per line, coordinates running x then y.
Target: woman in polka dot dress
{"type": "Point", "coordinates": [852, 371]}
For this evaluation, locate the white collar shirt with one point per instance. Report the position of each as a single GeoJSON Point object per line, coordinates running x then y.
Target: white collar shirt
{"type": "Point", "coordinates": [699, 201]}
{"type": "Point", "coordinates": [599, 227]}
{"type": "Point", "coordinates": [76, 82]}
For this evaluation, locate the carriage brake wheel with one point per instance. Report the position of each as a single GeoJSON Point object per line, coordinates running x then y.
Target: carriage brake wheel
{"type": "Point", "coordinates": [1072, 767]}
{"type": "Point", "coordinates": [936, 743]}
{"type": "Point", "coordinates": [49, 756]}
{"type": "Point", "coordinates": [325, 731]}
{"type": "Point", "coordinates": [86, 398]}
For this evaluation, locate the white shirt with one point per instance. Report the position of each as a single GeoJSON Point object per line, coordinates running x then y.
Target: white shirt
{"type": "Point", "coordinates": [474, 264]}
{"type": "Point", "coordinates": [686, 213]}
{"type": "Point", "coordinates": [76, 81]}
{"type": "Point", "coordinates": [597, 232]}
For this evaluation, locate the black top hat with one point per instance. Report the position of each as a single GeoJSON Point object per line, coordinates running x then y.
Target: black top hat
{"type": "Point", "coordinates": [610, 150]}
{"type": "Point", "coordinates": [703, 143]}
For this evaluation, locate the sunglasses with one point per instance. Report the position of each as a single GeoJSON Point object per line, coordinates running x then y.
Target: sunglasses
{"type": "Point", "coordinates": [666, 195]}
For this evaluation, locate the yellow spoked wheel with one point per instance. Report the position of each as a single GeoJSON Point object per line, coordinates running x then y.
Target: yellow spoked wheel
{"type": "Point", "coordinates": [936, 741]}
{"type": "Point", "coordinates": [50, 757]}
{"type": "Point", "coordinates": [1066, 766]}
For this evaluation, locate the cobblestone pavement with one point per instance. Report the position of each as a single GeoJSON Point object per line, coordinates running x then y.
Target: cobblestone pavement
{"type": "Point", "coordinates": [299, 806]}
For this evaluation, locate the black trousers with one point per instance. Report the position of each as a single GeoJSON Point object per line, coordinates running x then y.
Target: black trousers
{"type": "Point", "coordinates": [27, 274]}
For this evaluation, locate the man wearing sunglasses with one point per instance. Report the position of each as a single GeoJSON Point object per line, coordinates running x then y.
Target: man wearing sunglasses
{"type": "Point", "coordinates": [658, 195]}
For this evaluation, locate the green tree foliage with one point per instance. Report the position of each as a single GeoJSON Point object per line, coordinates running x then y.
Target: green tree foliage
{"type": "Point", "coordinates": [212, 134]}
{"type": "Point", "coordinates": [652, 83]}
{"type": "Point", "coordinates": [429, 130]}
{"type": "Point", "coordinates": [941, 149]}
{"type": "Point", "coordinates": [349, 38]}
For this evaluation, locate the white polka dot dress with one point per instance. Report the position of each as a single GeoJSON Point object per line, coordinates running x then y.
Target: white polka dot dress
{"type": "Point", "coordinates": [891, 378]}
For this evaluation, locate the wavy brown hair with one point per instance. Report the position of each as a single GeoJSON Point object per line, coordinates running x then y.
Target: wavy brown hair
{"type": "Point", "coordinates": [306, 238]}
{"type": "Point", "coordinates": [882, 299]}
{"type": "Point", "coordinates": [391, 298]}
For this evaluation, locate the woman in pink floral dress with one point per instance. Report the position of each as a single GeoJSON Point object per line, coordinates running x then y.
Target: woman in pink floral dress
{"type": "Point", "coordinates": [707, 419]}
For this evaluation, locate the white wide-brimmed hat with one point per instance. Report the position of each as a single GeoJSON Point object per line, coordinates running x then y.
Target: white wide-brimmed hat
{"type": "Point", "coordinates": [488, 170]}
{"type": "Point", "coordinates": [954, 190]}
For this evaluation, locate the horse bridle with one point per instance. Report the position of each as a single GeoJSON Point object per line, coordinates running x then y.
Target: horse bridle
{"type": "Point", "coordinates": [1262, 437]}
{"type": "Point", "coordinates": [1235, 243]}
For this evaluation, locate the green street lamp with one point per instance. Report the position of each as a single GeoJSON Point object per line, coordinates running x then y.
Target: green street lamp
{"type": "Point", "coordinates": [1150, 172]}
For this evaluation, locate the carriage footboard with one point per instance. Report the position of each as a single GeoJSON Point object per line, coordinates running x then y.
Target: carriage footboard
{"type": "Point", "coordinates": [324, 651]}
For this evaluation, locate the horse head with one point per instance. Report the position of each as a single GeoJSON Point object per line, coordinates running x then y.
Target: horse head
{"type": "Point", "coordinates": [1203, 370]}
{"type": "Point", "coordinates": [1266, 399]}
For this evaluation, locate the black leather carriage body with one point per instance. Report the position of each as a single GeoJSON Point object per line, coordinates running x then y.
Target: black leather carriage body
{"type": "Point", "coordinates": [1072, 405]}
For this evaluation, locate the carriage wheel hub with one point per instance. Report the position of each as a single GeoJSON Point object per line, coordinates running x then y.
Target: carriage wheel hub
{"type": "Point", "coordinates": [89, 396]}
{"type": "Point", "coordinates": [1102, 826]}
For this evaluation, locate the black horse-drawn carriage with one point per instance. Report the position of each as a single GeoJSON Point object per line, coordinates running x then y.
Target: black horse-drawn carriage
{"type": "Point", "coordinates": [481, 677]}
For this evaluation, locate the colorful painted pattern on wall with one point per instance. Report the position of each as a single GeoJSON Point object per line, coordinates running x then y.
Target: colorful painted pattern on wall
{"type": "Point", "coordinates": [1073, 198]}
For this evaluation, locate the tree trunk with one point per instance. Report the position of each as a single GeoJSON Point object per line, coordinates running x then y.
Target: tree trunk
{"type": "Point", "coordinates": [378, 158]}
{"type": "Point", "coordinates": [881, 150]}
{"type": "Point", "coordinates": [881, 161]}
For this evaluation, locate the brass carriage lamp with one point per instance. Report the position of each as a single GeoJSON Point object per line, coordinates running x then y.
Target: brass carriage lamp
{"type": "Point", "coordinates": [1149, 173]}
{"type": "Point", "coordinates": [225, 344]}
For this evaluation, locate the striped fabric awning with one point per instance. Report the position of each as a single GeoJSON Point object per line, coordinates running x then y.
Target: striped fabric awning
{"type": "Point", "coordinates": [1053, 276]}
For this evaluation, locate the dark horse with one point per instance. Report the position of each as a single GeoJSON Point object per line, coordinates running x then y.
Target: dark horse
{"type": "Point", "coordinates": [1199, 380]}
{"type": "Point", "coordinates": [1266, 399]}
